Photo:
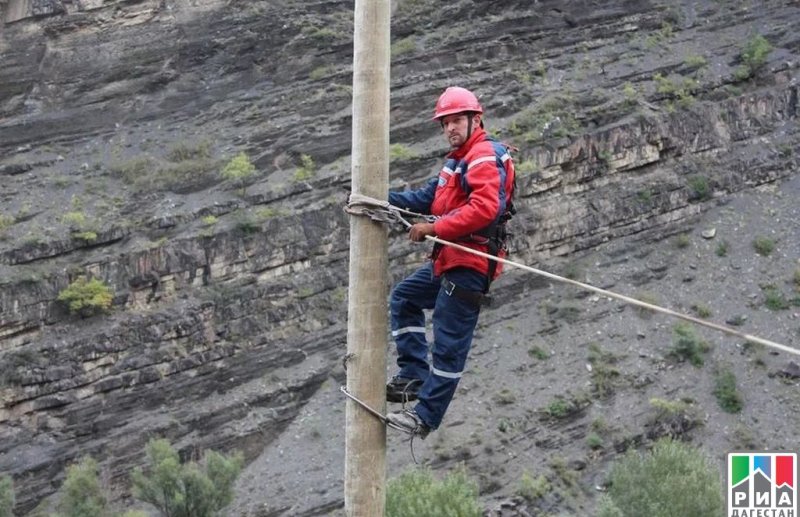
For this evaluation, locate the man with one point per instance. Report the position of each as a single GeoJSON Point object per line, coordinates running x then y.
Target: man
{"type": "Point", "coordinates": [472, 198]}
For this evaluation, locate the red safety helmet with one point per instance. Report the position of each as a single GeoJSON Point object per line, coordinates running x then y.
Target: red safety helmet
{"type": "Point", "coordinates": [456, 100]}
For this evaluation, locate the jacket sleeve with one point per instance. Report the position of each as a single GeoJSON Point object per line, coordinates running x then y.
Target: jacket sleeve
{"type": "Point", "coordinates": [416, 200]}
{"type": "Point", "coordinates": [483, 204]}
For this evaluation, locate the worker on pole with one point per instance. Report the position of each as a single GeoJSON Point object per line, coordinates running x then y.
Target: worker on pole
{"type": "Point", "coordinates": [471, 196]}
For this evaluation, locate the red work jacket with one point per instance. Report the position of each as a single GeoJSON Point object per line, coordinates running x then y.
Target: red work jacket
{"type": "Point", "coordinates": [472, 191]}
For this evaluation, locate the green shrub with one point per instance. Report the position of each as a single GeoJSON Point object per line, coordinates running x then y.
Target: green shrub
{"type": "Point", "coordinates": [504, 397]}
{"type": "Point", "coordinates": [526, 168]}
{"type": "Point", "coordinates": [209, 220]}
{"type": "Point", "coordinates": [503, 425]}
{"type": "Point", "coordinates": [321, 72]}
{"type": "Point", "coordinates": [722, 248]}
{"type": "Point", "coordinates": [688, 346]}
{"type": "Point", "coordinates": [562, 407]}
{"type": "Point", "coordinates": [399, 152]}
{"type": "Point", "coordinates": [184, 176]}
{"type": "Point", "coordinates": [672, 480]}
{"type": "Point", "coordinates": [532, 488]}
{"type": "Point", "coordinates": [594, 441]}
{"type": "Point", "coordinates": [774, 299]}
{"type": "Point", "coordinates": [417, 493]}
{"type": "Point", "coordinates": [538, 352]}
{"type": "Point", "coordinates": [695, 62]}
{"type": "Point", "coordinates": [658, 37]}
{"type": "Point", "coordinates": [74, 219]}
{"type": "Point", "coordinates": [239, 169]}
{"type": "Point", "coordinates": [186, 490]}
{"type": "Point", "coordinates": [268, 212]}
{"type": "Point", "coordinates": [699, 187]}
{"type": "Point", "coordinates": [81, 493]}
{"type": "Point", "coordinates": [680, 91]}
{"type": "Point", "coordinates": [87, 297]}
{"type": "Point", "coordinates": [728, 396]}
{"type": "Point", "coordinates": [182, 151]}
{"type": "Point", "coordinates": [5, 222]}
{"type": "Point", "coordinates": [649, 298]}
{"type": "Point", "coordinates": [754, 56]}
{"type": "Point", "coordinates": [87, 236]}
{"type": "Point", "coordinates": [323, 35]}
{"type": "Point", "coordinates": [552, 117]}
{"type": "Point", "coordinates": [568, 476]}
{"type": "Point", "coordinates": [682, 241]}
{"type": "Point", "coordinates": [403, 46]}
{"type": "Point", "coordinates": [133, 170]}
{"type": "Point", "coordinates": [671, 417]}
{"type": "Point", "coordinates": [630, 93]}
{"type": "Point", "coordinates": [6, 496]}
{"type": "Point", "coordinates": [764, 246]}
{"type": "Point", "coordinates": [178, 173]}
{"type": "Point", "coordinates": [702, 310]}
{"type": "Point", "coordinates": [644, 195]}
{"type": "Point", "coordinates": [306, 170]}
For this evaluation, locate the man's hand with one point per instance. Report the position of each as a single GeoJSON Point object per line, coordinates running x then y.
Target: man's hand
{"type": "Point", "coordinates": [418, 232]}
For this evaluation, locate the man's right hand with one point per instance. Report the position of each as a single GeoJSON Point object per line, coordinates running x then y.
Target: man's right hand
{"type": "Point", "coordinates": [419, 231]}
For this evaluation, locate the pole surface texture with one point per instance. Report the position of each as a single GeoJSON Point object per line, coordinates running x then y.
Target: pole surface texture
{"type": "Point", "coordinates": [367, 325]}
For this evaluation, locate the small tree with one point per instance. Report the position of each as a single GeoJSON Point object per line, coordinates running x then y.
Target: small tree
{"type": "Point", "coordinates": [306, 170]}
{"type": "Point", "coordinates": [754, 57]}
{"type": "Point", "coordinates": [417, 493]}
{"type": "Point", "coordinates": [672, 480]}
{"type": "Point", "coordinates": [87, 297]}
{"type": "Point", "coordinates": [82, 495]}
{"type": "Point", "coordinates": [186, 490]}
{"type": "Point", "coordinates": [239, 169]}
{"type": "Point", "coordinates": [6, 496]}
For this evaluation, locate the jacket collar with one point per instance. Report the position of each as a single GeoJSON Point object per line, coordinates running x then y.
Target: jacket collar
{"type": "Point", "coordinates": [478, 135]}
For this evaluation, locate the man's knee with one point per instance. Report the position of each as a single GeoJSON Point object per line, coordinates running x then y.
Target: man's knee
{"type": "Point", "coordinates": [449, 357]}
{"type": "Point", "coordinates": [397, 300]}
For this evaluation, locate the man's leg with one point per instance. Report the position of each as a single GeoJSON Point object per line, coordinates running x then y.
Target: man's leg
{"type": "Point", "coordinates": [408, 299]}
{"type": "Point", "coordinates": [454, 321]}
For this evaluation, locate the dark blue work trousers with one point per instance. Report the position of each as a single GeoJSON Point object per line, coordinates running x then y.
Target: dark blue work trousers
{"type": "Point", "coordinates": [454, 321]}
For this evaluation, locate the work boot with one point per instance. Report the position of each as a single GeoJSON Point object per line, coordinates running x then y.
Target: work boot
{"type": "Point", "coordinates": [408, 421]}
{"type": "Point", "coordinates": [402, 389]}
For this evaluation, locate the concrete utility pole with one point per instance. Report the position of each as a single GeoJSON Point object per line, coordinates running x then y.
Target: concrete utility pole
{"type": "Point", "coordinates": [367, 326]}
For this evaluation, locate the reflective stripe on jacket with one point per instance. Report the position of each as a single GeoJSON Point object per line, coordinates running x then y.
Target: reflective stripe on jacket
{"type": "Point", "coordinates": [470, 193]}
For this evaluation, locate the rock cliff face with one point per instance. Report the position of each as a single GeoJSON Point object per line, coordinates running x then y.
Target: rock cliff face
{"type": "Point", "coordinates": [116, 118]}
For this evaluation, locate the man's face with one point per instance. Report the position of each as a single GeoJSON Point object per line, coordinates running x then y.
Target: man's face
{"type": "Point", "coordinates": [455, 128]}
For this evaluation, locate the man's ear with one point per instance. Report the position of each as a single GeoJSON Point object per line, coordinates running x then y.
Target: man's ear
{"type": "Point", "coordinates": [476, 120]}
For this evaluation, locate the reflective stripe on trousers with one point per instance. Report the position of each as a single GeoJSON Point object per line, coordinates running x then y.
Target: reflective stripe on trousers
{"type": "Point", "coordinates": [454, 323]}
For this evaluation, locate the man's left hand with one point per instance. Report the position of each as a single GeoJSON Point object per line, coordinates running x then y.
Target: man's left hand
{"type": "Point", "coordinates": [418, 232]}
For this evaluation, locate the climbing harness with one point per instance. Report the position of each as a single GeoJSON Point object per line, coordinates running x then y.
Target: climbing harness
{"type": "Point", "coordinates": [382, 211]}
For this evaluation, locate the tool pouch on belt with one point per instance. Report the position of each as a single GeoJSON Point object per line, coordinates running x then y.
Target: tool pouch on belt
{"type": "Point", "coordinates": [475, 298]}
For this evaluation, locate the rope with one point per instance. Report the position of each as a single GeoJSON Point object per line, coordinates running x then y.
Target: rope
{"type": "Point", "coordinates": [385, 206]}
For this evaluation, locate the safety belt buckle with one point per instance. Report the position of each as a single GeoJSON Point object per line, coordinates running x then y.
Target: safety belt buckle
{"type": "Point", "coordinates": [449, 286]}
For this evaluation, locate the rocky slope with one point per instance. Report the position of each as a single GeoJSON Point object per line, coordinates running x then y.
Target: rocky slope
{"type": "Point", "coordinates": [633, 119]}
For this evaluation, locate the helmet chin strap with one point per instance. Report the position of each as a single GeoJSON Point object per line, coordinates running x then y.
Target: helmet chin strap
{"type": "Point", "coordinates": [469, 125]}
